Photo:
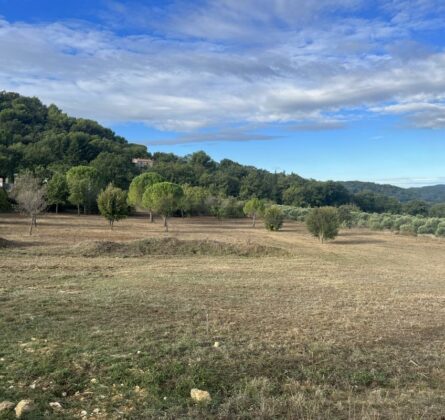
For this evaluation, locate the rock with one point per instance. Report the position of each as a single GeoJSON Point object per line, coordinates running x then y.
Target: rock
{"type": "Point", "coordinates": [83, 413]}
{"type": "Point", "coordinates": [199, 395]}
{"type": "Point", "coordinates": [94, 381]}
{"type": "Point", "coordinates": [216, 345]}
{"type": "Point", "coordinates": [56, 406]}
{"type": "Point", "coordinates": [6, 406]}
{"type": "Point", "coordinates": [24, 406]}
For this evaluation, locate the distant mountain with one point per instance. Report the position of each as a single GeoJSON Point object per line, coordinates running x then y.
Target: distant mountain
{"type": "Point", "coordinates": [433, 194]}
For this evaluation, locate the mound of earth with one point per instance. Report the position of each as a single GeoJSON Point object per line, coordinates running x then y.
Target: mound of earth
{"type": "Point", "coordinates": [4, 243]}
{"type": "Point", "coordinates": [171, 247]}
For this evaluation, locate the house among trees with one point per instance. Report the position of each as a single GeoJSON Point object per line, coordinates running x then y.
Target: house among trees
{"type": "Point", "coordinates": [142, 163]}
{"type": "Point", "coordinates": [5, 183]}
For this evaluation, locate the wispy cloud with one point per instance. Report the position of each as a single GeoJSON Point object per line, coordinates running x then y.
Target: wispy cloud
{"type": "Point", "coordinates": [193, 66]}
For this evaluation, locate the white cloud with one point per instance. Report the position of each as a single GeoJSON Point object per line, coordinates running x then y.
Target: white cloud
{"type": "Point", "coordinates": [226, 62]}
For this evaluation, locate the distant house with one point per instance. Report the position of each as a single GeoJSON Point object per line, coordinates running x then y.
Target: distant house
{"type": "Point", "coordinates": [5, 183]}
{"type": "Point", "coordinates": [142, 163]}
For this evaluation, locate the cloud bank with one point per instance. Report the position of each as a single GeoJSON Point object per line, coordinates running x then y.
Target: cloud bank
{"type": "Point", "coordinates": [190, 66]}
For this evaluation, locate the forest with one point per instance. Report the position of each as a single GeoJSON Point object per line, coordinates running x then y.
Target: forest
{"type": "Point", "coordinates": [44, 140]}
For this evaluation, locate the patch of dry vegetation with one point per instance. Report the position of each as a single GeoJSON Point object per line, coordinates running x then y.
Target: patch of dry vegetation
{"type": "Point", "coordinates": [168, 247]}
{"type": "Point", "coordinates": [350, 329]}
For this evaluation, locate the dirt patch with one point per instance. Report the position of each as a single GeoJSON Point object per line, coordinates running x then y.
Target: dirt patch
{"type": "Point", "coordinates": [173, 246]}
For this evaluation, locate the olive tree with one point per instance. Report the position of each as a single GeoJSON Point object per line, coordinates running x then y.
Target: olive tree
{"type": "Point", "coordinates": [30, 196]}
{"type": "Point", "coordinates": [253, 208]}
{"type": "Point", "coordinates": [323, 222]}
{"type": "Point", "coordinates": [138, 187]}
{"type": "Point", "coordinates": [112, 203]}
{"type": "Point", "coordinates": [273, 218]}
{"type": "Point", "coordinates": [164, 198]}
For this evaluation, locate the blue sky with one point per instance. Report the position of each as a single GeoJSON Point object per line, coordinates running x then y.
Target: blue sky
{"type": "Point", "coordinates": [333, 89]}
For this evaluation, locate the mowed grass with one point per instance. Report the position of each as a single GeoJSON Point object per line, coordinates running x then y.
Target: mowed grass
{"type": "Point", "coordinates": [354, 328]}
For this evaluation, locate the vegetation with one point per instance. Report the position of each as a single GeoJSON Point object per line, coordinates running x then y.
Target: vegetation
{"type": "Point", "coordinates": [323, 223]}
{"type": "Point", "coordinates": [138, 186]}
{"type": "Point", "coordinates": [253, 208]}
{"type": "Point", "coordinates": [317, 334]}
{"type": "Point", "coordinates": [57, 191]}
{"type": "Point", "coordinates": [30, 196]}
{"type": "Point", "coordinates": [164, 198]}
{"type": "Point", "coordinates": [273, 218]}
{"type": "Point", "coordinates": [5, 204]}
{"type": "Point", "coordinates": [84, 185]}
{"type": "Point", "coordinates": [112, 203]}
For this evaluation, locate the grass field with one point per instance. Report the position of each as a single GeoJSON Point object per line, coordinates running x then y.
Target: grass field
{"type": "Point", "coordinates": [354, 328]}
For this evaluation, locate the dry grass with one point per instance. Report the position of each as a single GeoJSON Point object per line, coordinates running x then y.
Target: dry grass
{"type": "Point", "coordinates": [351, 329]}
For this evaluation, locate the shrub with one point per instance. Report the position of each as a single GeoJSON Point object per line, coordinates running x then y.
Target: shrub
{"type": "Point", "coordinates": [323, 223]}
{"type": "Point", "coordinates": [441, 229]}
{"type": "Point", "coordinates": [112, 203]}
{"type": "Point", "coordinates": [429, 227]}
{"type": "Point", "coordinates": [5, 205]}
{"type": "Point", "coordinates": [273, 218]}
{"type": "Point", "coordinates": [408, 229]}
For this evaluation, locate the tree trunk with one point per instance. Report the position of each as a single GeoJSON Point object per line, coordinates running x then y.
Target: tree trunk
{"type": "Point", "coordinates": [57, 208]}
{"type": "Point", "coordinates": [78, 209]}
{"type": "Point", "coordinates": [84, 209]}
{"type": "Point", "coordinates": [151, 217]}
{"type": "Point", "coordinates": [165, 224]}
{"type": "Point", "coordinates": [34, 218]}
{"type": "Point", "coordinates": [111, 224]}
{"type": "Point", "coordinates": [253, 220]}
{"type": "Point", "coordinates": [31, 225]}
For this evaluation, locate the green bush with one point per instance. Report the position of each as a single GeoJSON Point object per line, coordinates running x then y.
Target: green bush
{"type": "Point", "coordinates": [323, 222]}
{"type": "Point", "coordinates": [273, 218]}
{"type": "Point", "coordinates": [407, 229]}
{"type": "Point", "coordinates": [441, 230]}
{"type": "Point", "coordinates": [5, 205]}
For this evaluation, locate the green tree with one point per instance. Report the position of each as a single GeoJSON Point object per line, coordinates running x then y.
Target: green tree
{"type": "Point", "coordinates": [416, 208]}
{"type": "Point", "coordinates": [253, 208]}
{"type": "Point", "coordinates": [323, 222]}
{"type": "Point", "coordinates": [83, 186]}
{"type": "Point", "coordinates": [194, 201]}
{"type": "Point", "coordinates": [273, 218]}
{"type": "Point", "coordinates": [5, 205]}
{"type": "Point", "coordinates": [57, 190]}
{"type": "Point", "coordinates": [112, 204]}
{"type": "Point", "coordinates": [164, 198]}
{"type": "Point", "coordinates": [138, 187]}
{"type": "Point", "coordinates": [438, 210]}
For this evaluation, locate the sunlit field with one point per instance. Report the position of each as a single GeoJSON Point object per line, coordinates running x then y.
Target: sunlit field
{"type": "Point", "coordinates": [277, 325]}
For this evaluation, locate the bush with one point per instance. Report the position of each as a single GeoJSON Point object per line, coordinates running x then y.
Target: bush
{"type": "Point", "coordinates": [323, 223]}
{"type": "Point", "coordinates": [429, 227]}
{"type": "Point", "coordinates": [441, 230]}
{"type": "Point", "coordinates": [273, 218]}
{"type": "Point", "coordinates": [5, 205]}
{"type": "Point", "coordinates": [408, 229]}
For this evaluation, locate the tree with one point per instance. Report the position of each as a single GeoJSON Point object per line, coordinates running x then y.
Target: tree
{"type": "Point", "coordinates": [253, 208]}
{"type": "Point", "coordinates": [345, 214]}
{"type": "Point", "coordinates": [30, 196]}
{"type": "Point", "coordinates": [112, 203]}
{"type": "Point", "coordinates": [416, 208]}
{"type": "Point", "coordinates": [113, 168]}
{"type": "Point", "coordinates": [273, 218]}
{"type": "Point", "coordinates": [163, 198]}
{"type": "Point", "coordinates": [5, 205]}
{"type": "Point", "coordinates": [323, 223]}
{"type": "Point", "coordinates": [57, 190]}
{"type": "Point", "coordinates": [438, 210]}
{"type": "Point", "coordinates": [83, 185]}
{"type": "Point", "coordinates": [194, 201]}
{"type": "Point", "coordinates": [138, 187]}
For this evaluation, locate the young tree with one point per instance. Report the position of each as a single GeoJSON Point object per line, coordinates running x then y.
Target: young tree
{"type": "Point", "coordinates": [30, 195]}
{"type": "Point", "coordinates": [163, 198]}
{"type": "Point", "coordinates": [253, 208]}
{"type": "Point", "coordinates": [273, 218]}
{"type": "Point", "coordinates": [323, 223]}
{"type": "Point", "coordinates": [138, 187]}
{"type": "Point", "coordinates": [194, 201]}
{"type": "Point", "coordinates": [83, 185]}
{"type": "Point", "coordinates": [112, 203]}
{"type": "Point", "coordinates": [57, 190]}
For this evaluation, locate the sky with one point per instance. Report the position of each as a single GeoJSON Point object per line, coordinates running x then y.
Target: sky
{"type": "Point", "coordinates": [328, 89]}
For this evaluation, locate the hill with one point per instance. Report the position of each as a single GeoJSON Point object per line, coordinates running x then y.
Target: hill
{"type": "Point", "coordinates": [434, 193]}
